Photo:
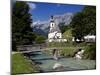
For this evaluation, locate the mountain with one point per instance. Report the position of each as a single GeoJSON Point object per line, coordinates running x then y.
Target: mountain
{"type": "Point", "coordinates": [65, 18]}
{"type": "Point", "coordinates": [42, 27]}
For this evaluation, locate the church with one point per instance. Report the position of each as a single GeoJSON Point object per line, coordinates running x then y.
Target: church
{"type": "Point", "coordinates": [55, 34]}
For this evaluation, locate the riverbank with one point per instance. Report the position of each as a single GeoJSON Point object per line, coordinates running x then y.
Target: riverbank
{"type": "Point", "coordinates": [20, 64]}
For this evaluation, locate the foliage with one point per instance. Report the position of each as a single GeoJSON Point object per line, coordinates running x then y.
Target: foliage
{"type": "Point", "coordinates": [21, 20]}
{"type": "Point", "coordinates": [63, 27]}
{"type": "Point", "coordinates": [40, 39]}
{"type": "Point", "coordinates": [67, 49]}
{"type": "Point", "coordinates": [65, 44]}
{"type": "Point", "coordinates": [22, 65]}
{"type": "Point", "coordinates": [90, 52]}
{"type": "Point", "coordinates": [84, 23]}
{"type": "Point", "coordinates": [68, 34]}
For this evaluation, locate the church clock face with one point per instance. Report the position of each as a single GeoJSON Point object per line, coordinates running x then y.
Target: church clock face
{"type": "Point", "coordinates": [52, 25]}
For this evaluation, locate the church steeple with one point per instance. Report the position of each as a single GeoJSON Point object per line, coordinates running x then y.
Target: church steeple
{"type": "Point", "coordinates": [52, 23]}
{"type": "Point", "coordinates": [52, 19]}
{"type": "Point", "coordinates": [53, 26]}
{"type": "Point", "coordinates": [54, 32]}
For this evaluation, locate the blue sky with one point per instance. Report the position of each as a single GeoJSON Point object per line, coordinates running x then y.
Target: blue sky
{"type": "Point", "coordinates": [43, 11]}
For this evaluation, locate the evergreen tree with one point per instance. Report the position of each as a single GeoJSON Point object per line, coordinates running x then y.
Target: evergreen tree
{"type": "Point", "coordinates": [21, 21]}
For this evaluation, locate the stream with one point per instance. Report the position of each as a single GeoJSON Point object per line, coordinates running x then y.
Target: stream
{"type": "Point", "coordinates": [46, 62]}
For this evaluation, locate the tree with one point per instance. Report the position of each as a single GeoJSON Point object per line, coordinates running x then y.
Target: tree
{"type": "Point", "coordinates": [40, 39]}
{"type": "Point", "coordinates": [63, 27]}
{"type": "Point", "coordinates": [84, 22]}
{"type": "Point", "coordinates": [21, 21]}
{"type": "Point", "coordinates": [90, 52]}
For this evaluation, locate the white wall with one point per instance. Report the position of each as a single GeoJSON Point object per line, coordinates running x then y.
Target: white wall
{"type": "Point", "coordinates": [60, 35]}
{"type": "Point", "coordinates": [52, 35]}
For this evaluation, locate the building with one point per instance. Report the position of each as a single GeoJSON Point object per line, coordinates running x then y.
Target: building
{"type": "Point", "coordinates": [54, 32]}
{"type": "Point", "coordinates": [87, 38]}
{"type": "Point", "coordinates": [90, 38]}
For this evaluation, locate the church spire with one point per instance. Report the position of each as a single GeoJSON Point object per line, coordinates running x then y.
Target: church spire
{"type": "Point", "coordinates": [53, 26]}
{"type": "Point", "coordinates": [52, 19]}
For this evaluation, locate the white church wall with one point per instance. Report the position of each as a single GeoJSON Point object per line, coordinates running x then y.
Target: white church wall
{"type": "Point", "coordinates": [64, 40]}
{"type": "Point", "coordinates": [54, 34]}
{"type": "Point", "coordinates": [51, 35]}
{"type": "Point", "coordinates": [59, 35]}
{"type": "Point", "coordinates": [50, 40]}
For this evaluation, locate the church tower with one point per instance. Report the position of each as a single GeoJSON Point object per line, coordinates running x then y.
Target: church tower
{"type": "Point", "coordinates": [54, 32]}
{"type": "Point", "coordinates": [52, 23]}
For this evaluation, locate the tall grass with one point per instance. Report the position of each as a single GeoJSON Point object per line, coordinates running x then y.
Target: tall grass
{"type": "Point", "coordinates": [22, 65]}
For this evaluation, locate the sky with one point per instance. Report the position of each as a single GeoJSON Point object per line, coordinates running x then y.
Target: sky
{"type": "Point", "coordinates": [42, 11]}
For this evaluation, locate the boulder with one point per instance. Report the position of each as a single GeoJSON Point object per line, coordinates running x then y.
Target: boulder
{"type": "Point", "coordinates": [58, 66]}
{"type": "Point", "coordinates": [79, 54]}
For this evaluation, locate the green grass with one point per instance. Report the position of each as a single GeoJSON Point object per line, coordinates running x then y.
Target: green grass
{"type": "Point", "coordinates": [66, 44]}
{"type": "Point", "coordinates": [67, 34]}
{"type": "Point", "coordinates": [67, 49]}
{"type": "Point", "coordinates": [22, 65]}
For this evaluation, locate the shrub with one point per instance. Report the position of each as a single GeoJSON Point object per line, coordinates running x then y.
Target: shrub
{"type": "Point", "coordinates": [40, 39]}
{"type": "Point", "coordinates": [90, 52]}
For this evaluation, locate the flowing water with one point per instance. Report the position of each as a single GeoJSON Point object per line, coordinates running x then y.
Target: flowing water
{"type": "Point", "coordinates": [46, 63]}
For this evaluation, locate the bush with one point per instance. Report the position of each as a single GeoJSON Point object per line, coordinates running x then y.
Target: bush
{"type": "Point", "coordinates": [40, 39]}
{"type": "Point", "coordinates": [90, 52]}
{"type": "Point", "coordinates": [69, 51]}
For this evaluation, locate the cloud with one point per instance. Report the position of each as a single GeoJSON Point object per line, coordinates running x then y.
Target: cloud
{"type": "Point", "coordinates": [39, 23]}
{"type": "Point", "coordinates": [32, 5]}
